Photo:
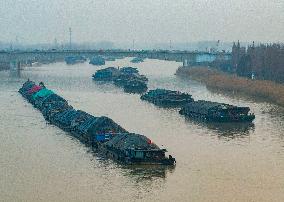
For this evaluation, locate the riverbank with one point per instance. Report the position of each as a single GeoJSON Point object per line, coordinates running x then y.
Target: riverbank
{"type": "Point", "coordinates": [218, 80]}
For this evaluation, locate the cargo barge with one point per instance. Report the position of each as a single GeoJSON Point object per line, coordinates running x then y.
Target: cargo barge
{"type": "Point", "coordinates": [167, 98]}
{"type": "Point", "coordinates": [102, 134]}
{"type": "Point", "coordinates": [135, 86]}
{"type": "Point", "coordinates": [97, 60]}
{"type": "Point", "coordinates": [106, 74]}
{"type": "Point", "coordinates": [216, 112]}
{"type": "Point", "coordinates": [71, 60]}
{"type": "Point", "coordinates": [127, 77]}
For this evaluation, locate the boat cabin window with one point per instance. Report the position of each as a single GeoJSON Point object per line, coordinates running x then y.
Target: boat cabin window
{"type": "Point", "coordinates": [139, 154]}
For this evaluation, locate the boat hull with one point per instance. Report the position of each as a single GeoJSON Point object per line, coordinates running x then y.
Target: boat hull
{"type": "Point", "coordinates": [206, 118]}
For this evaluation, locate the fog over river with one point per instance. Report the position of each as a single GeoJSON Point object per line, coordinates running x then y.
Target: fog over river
{"type": "Point", "coordinates": [40, 162]}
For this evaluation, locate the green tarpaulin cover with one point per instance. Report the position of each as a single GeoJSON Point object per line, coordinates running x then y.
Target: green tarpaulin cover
{"type": "Point", "coordinates": [42, 93]}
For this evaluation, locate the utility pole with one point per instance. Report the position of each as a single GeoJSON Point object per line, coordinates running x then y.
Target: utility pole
{"type": "Point", "coordinates": [70, 37]}
{"type": "Point", "coordinates": [133, 44]}
{"type": "Point", "coordinates": [170, 44]}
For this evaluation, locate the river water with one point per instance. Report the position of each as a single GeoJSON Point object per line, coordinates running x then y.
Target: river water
{"type": "Point", "coordinates": [40, 162]}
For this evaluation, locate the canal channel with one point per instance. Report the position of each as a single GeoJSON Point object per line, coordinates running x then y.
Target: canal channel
{"type": "Point", "coordinates": [39, 161]}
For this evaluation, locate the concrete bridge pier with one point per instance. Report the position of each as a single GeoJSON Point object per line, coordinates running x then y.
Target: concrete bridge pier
{"type": "Point", "coordinates": [186, 62]}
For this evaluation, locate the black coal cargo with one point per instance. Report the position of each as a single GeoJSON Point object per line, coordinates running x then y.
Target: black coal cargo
{"type": "Point", "coordinates": [216, 112]}
{"type": "Point", "coordinates": [49, 99]}
{"type": "Point", "coordinates": [101, 133]}
{"type": "Point", "coordinates": [127, 77]}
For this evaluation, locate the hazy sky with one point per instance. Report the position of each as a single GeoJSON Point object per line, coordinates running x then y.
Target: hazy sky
{"type": "Point", "coordinates": [146, 21]}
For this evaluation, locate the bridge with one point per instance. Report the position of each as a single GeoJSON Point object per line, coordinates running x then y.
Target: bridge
{"type": "Point", "coordinates": [28, 57]}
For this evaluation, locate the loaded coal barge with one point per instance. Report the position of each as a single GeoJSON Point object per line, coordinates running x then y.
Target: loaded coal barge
{"type": "Point", "coordinates": [135, 86]}
{"type": "Point", "coordinates": [101, 133]}
{"type": "Point", "coordinates": [167, 98]}
{"type": "Point", "coordinates": [106, 74]}
{"type": "Point", "coordinates": [127, 77]}
{"type": "Point", "coordinates": [131, 83]}
{"type": "Point", "coordinates": [216, 112]}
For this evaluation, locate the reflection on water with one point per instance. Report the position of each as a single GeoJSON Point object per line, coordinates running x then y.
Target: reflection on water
{"type": "Point", "coordinates": [137, 173]}
{"type": "Point", "coordinates": [232, 131]}
{"type": "Point", "coordinates": [147, 173]}
{"type": "Point", "coordinates": [223, 162]}
{"type": "Point", "coordinates": [226, 130]}
{"type": "Point", "coordinates": [15, 69]}
{"type": "Point", "coordinates": [15, 74]}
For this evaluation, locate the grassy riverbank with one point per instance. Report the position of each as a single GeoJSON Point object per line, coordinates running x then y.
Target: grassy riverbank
{"type": "Point", "coordinates": [215, 79]}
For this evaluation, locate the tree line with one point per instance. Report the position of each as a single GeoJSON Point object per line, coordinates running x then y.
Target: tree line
{"type": "Point", "coordinates": [264, 61]}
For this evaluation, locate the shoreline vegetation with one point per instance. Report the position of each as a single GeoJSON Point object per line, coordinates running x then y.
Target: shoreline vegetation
{"type": "Point", "coordinates": [215, 79]}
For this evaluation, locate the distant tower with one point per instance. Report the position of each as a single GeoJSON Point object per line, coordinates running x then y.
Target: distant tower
{"type": "Point", "coordinates": [133, 44]}
{"type": "Point", "coordinates": [70, 37]}
{"type": "Point", "coordinates": [170, 44]}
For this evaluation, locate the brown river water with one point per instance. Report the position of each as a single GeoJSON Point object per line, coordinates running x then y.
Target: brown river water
{"type": "Point", "coordinates": [40, 162]}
